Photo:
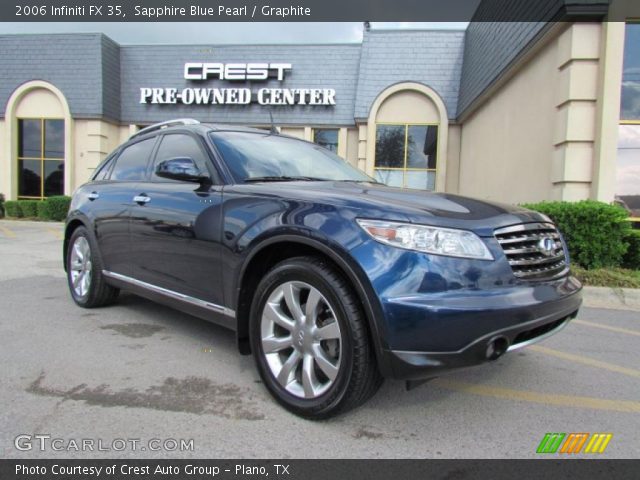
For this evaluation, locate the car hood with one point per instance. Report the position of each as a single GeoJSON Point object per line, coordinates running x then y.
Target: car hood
{"type": "Point", "coordinates": [374, 200]}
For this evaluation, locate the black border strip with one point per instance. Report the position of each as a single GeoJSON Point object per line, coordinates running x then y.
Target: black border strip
{"type": "Point", "coordinates": [327, 10]}
{"type": "Point", "coordinates": [558, 468]}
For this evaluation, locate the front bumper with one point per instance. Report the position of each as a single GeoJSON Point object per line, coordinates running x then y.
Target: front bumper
{"type": "Point", "coordinates": [471, 328]}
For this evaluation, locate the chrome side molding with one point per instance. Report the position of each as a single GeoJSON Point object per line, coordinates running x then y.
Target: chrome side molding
{"type": "Point", "coordinates": [170, 293]}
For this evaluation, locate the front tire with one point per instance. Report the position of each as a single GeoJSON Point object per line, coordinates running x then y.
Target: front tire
{"type": "Point", "coordinates": [310, 340]}
{"type": "Point", "coordinates": [87, 285]}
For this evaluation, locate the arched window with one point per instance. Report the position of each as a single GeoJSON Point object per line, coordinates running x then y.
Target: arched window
{"type": "Point", "coordinates": [407, 137]}
{"type": "Point", "coordinates": [39, 150]}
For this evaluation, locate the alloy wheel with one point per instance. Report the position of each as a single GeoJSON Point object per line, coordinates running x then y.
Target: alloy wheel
{"type": "Point", "coordinates": [301, 339]}
{"type": "Point", "coordinates": [80, 266]}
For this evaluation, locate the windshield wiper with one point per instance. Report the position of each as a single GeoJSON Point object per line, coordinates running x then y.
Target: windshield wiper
{"type": "Point", "coordinates": [283, 178]}
{"type": "Point", "coordinates": [361, 181]}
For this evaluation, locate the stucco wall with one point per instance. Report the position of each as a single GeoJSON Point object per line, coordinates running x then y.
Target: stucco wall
{"type": "Point", "coordinates": [95, 139]}
{"type": "Point", "coordinates": [453, 160]}
{"type": "Point", "coordinates": [534, 138]}
{"type": "Point", "coordinates": [40, 103]}
{"type": "Point", "coordinates": [352, 146]}
{"type": "Point", "coordinates": [297, 132]}
{"type": "Point", "coordinates": [5, 159]}
{"type": "Point", "coordinates": [408, 107]}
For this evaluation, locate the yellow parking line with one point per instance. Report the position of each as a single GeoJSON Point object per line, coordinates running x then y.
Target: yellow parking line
{"type": "Point", "coordinates": [626, 406]}
{"type": "Point", "coordinates": [55, 233]}
{"type": "Point", "coordinates": [586, 361]}
{"type": "Point", "coordinates": [607, 327]}
{"type": "Point", "coordinates": [7, 232]}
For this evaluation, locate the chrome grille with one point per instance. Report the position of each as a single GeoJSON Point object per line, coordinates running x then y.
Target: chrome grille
{"type": "Point", "coordinates": [527, 257]}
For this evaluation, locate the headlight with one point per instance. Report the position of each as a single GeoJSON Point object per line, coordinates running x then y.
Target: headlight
{"type": "Point", "coordinates": [421, 238]}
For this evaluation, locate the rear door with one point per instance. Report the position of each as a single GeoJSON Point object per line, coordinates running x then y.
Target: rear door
{"type": "Point", "coordinates": [175, 230]}
{"type": "Point", "coordinates": [111, 199]}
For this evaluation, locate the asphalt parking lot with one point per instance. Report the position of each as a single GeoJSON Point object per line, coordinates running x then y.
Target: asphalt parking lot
{"type": "Point", "coordinates": [137, 370]}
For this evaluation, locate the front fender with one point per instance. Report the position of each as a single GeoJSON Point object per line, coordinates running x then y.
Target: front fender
{"type": "Point", "coordinates": [254, 222]}
{"type": "Point", "coordinates": [345, 263]}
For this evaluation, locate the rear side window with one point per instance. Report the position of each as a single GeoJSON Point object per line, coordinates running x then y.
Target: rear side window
{"type": "Point", "coordinates": [103, 171]}
{"type": "Point", "coordinates": [132, 162]}
{"type": "Point", "coordinates": [178, 145]}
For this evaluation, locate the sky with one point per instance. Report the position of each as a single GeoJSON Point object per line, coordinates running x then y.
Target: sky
{"type": "Point", "coordinates": [218, 33]}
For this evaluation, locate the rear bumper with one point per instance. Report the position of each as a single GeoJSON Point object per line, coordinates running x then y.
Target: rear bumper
{"type": "Point", "coordinates": [520, 326]}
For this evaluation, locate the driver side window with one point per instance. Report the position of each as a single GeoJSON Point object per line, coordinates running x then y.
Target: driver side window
{"type": "Point", "coordinates": [178, 145]}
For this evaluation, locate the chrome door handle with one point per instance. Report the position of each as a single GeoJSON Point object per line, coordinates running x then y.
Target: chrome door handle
{"type": "Point", "coordinates": [93, 196]}
{"type": "Point", "coordinates": [141, 199]}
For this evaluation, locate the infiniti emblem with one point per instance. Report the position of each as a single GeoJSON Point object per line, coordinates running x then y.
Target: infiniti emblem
{"type": "Point", "coordinates": [301, 337]}
{"type": "Point", "coordinates": [547, 246]}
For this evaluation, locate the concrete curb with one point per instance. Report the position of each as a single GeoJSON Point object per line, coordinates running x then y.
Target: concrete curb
{"type": "Point", "coordinates": [616, 298]}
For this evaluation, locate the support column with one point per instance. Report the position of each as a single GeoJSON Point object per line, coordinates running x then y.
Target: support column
{"type": "Point", "coordinates": [608, 111]}
{"type": "Point", "coordinates": [362, 149]}
{"type": "Point", "coordinates": [575, 115]}
{"type": "Point", "coordinates": [342, 143]}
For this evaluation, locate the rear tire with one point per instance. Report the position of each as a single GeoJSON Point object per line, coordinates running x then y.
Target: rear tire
{"type": "Point", "coordinates": [87, 285]}
{"type": "Point", "coordinates": [310, 340]}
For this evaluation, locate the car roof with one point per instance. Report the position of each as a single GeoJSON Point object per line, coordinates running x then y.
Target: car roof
{"type": "Point", "coordinates": [222, 127]}
{"type": "Point", "coordinates": [202, 128]}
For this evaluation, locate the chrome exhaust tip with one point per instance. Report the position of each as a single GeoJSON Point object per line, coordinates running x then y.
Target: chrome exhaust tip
{"type": "Point", "coordinates": [496, 347]}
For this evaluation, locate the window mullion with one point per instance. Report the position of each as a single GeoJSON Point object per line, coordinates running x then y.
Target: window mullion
{"type": "Point", "coordinates": [406, 147]}
{"type": "Point", "coordinates": [42, 158]}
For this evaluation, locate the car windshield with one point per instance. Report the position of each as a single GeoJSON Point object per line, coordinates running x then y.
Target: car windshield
{"type": "Point", "coordinates": [269, 157]}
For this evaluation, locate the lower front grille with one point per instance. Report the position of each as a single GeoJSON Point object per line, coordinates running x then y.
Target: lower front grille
{"type": "Point", "coordinates": [529, 335]}
{"type": "Point", "coordinates": [534, 250]}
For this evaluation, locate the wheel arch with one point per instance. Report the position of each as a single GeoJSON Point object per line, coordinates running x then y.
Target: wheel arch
{"type": "Point", "coordinates": [71, 227]}
{"type": "Point", "coordinates": [276, 249]}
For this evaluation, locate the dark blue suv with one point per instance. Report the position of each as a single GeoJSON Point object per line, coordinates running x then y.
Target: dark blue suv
{"type": "Point", "coordinates": [332, 280]}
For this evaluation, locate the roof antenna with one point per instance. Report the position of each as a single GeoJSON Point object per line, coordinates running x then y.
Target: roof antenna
{"type": "Point", "coordinates": [273, 130]}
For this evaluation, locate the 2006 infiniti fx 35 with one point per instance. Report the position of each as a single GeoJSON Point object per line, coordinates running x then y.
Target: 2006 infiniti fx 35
{"type": "Point", "coordinates": [332, 280]}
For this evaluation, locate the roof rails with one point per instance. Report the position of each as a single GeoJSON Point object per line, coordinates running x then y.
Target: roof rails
{"type": "Point", "coordinates": [167, 124]}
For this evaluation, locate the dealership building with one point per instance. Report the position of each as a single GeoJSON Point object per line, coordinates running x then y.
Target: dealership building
{"type": "Point", "coordinates": [514, 112]}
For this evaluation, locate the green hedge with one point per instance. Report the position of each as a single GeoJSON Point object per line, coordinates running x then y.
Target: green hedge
{"type": "Point", "coordinates": [43, 210]}
{"type": "Point", "coordinates": [2, 199]}
{"type": "Point", "coordinates": [52, 208]}
{"type": "Point", "coordinates": [13, 209]}
{"type": "Point", "coordinates": [596, 232]}
{"type": "Point", "coordinates": [631, 259]}
{"type": "Point", "coordinates": [29, 208]}
{"type": "Point", "coordinates": [57, 207]}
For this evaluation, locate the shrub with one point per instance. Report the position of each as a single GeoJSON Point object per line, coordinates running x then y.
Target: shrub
{"type": "Point", "coordinates": [631, 259]}
{"type": "Point", "coordinates": [2, 205]}
{"type": "Point", "coordinates": [595, 232]}
{"type": "Point", "coordinates": [57, 207]}
{"type": "Point", "coordinates": [43, 210]}
{"type": "Point", "coordinates": [12, 208]}
{"type": "Point", "coordinates": [29, 208]}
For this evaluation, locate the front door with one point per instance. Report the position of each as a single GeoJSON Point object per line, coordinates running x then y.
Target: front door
{"type": "Point", "coordinates": [176, 225]}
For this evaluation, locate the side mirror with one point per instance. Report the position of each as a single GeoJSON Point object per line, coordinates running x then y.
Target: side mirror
{"type": "Point", "coordinates": [180, 168]}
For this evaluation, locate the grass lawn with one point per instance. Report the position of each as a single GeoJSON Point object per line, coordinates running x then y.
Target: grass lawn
{"type": "Point", "coordinates": [608, 277]}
